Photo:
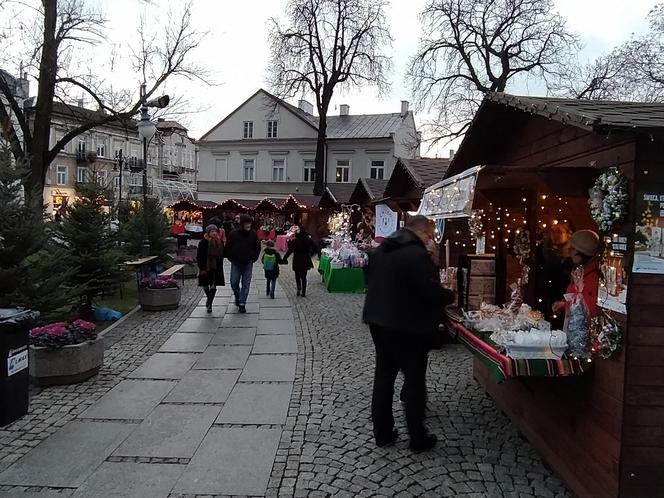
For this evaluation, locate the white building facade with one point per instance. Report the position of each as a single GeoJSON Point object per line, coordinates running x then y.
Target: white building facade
{"type": "Point", "coordinates": [267, 148]}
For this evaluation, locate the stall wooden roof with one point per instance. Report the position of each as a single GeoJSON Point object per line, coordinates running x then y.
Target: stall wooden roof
{"type": "Point", "coordinates": [501, 115]}
{"type": "Point", "coordinates": [411, 177]}
{"type": "Point", "coordinates": [336, 194]}
{"type": "Point", "coordinates": [367, 190]}
{"type": "Point", "coordinates": [299, 201]}
{"type": "Point", "coordinates": [193, 205]}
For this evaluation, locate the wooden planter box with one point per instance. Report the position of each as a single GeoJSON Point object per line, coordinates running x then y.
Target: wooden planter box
{"type": "Point", "coordinates": [68, 365]}
{"type": "Point", "coordinates": [159, 299]}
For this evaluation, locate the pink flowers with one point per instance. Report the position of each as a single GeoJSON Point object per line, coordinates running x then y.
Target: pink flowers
{"type": "Point", "coordinates": [59, 334]}
{"type": "Point", "coordinates": [165, 282]}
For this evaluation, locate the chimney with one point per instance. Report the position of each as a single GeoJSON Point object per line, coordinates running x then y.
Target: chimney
{"type": "Point", "coordinates": [80, 102]}
{"type": "Point", "coordinates": [404, 108]}
{"type": "Point", "coordinates": [452, 152]}
{"type": "Point", "coordinates": [344, 109]}
{"type": "Point", "coordinates": [305, 106]}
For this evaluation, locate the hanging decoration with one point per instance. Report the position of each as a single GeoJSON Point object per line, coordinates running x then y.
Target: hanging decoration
{"type": "Point", "coordinates": [605, 335]}
{"type": "Point", "coordinates": [475, 223]}
{"type": "Point", "coordinates": [439, 230]}
{"type": "Point", "coordinates": [522, 245]}
{"type": "Point", "coordinates": [608, 199]}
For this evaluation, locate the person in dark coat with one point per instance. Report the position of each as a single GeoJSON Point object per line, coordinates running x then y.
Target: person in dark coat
{"type": "Point", "coordinates": [271, 260]}
{"type": "Point", "coordinates": [242, 249]}
{"type": "Point", "coordinates": [403, 307]}
{"type": "Point", "coordinates": [301, 247]}
{"type": "Point", "coordinates": [210, 260]}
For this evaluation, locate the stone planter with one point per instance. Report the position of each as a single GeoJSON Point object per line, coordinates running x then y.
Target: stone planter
{"type": "Point", "coordinates": [159, 299]}
{"type": "Point", "coordinates": [68, 365]}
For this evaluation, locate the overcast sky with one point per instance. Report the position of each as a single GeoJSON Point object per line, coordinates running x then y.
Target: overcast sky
{"type": "Point", "coordinates": [235, 49]}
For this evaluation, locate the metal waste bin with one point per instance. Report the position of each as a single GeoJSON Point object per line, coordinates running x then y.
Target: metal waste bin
{"type": "Point", "coordinates": [14, 326]}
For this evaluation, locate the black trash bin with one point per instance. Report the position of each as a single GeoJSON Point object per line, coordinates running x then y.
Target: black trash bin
{"type": "Point", "coordinates": [14, 374]}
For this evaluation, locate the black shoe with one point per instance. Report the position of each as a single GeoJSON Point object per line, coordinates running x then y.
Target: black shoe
{"type": "Point", "coordinates": [243, 309]}
{"type": "Point", "coordinates": [298, 292]}
{"type": "Point", "coordinates": [304, 294]}
{"type": "Point", "coordinates": [425, 443]}
{"type": "Point", "coordinates": [380, 442]}
{"type": "Point", "coordinates": [272, 296]}
{"type": "Point", "coordinates": [209, 309]}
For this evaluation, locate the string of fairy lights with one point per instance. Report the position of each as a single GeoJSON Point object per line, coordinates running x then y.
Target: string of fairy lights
{"type": "Point", "coordinates": [500, 224]}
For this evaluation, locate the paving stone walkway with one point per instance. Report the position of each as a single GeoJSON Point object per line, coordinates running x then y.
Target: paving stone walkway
{"type": "Point", "coordinates": [203, 415]}
{"type": "Point", "coordinates": [271, 403]}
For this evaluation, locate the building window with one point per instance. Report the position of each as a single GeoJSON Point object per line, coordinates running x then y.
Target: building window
{"type": "Point", "coordinates": [101, 178]}
{"type": "Point", "coordinates": [377, 170]}
{"type": "Point", "coordinates": [309, 171]}
{"type": "Point", "coordinates": [81, 175]}
{"type": "Point", "coordinates": [62, 175]}
{"type": "Point", "coordinates": [278, 170]}
{"type": "Point", "coordinates": [249, 166]}
{"type": "Point", "coordinates": [343, 171]}
{"type": "Point", "coordinates": [271, 129]}
{"type": "Point", "coordinates": [248, 129]}
{"type": "Point", "coordinates": [101, 148]}
{"type": "Point", "coordinates": [81, 146]}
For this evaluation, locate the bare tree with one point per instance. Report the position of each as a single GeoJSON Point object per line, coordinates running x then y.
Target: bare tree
{"type": "Point", "coordinates": [470, 47]}
{"type": "Point", "coordinates": [329, 45]}
{"type": "Point", "coordinates": [632, 71]}
{"type": "Point", "coordinates": [62, 31]}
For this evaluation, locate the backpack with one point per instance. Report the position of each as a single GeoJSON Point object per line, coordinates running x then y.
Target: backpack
{"type": "Point", "coordinates": [269, 262]}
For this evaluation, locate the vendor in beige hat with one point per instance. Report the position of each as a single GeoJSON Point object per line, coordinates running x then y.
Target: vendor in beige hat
{"type": "Point", "coordinates": [586, 248]}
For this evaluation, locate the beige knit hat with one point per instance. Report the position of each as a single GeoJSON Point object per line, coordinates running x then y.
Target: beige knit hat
{"type": "Point", "coordinates": [587, 242]}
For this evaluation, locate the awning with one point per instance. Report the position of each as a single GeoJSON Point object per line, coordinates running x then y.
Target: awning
{"type": "Point", "coordinates": [451, 198]}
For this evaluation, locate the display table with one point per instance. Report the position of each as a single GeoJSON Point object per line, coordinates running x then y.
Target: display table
{"type": "Point", "coordinates": [324, 266]}
{"type": "Point", "coordinates": [502, 367]}
{"type": "Point", "coordinates": [345, 280]}
{"type": "Point", "coordinates": [282, 243]}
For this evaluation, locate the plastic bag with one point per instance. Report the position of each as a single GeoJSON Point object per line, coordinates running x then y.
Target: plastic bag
{"type": "Point", "coordinates": [577, 321]}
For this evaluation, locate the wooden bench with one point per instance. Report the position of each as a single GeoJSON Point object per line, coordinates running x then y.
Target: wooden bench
{"type": "Point", "coordinates": [172, 271]}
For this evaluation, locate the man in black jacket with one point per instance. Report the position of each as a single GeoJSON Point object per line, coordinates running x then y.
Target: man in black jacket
{"type": "Point", "coordinates": [242, 250]}
{"type": "Point", "coordinates": [403, 307]}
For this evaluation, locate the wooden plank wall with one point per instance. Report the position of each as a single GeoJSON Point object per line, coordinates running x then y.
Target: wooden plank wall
{"type": "Point", "coordinates": [575, 423]}
{"type": "Point", "coordinates": [643, 431]}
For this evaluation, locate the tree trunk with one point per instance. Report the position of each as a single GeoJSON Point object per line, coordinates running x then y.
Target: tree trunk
{"type": "Point", "coordinates": [321, 180]}
{"type": "Point", "coordinates": [39, 152]}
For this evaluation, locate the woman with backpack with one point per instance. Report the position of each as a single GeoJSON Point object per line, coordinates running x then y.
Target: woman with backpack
{"type": "Point", "coordinates": [271, 261]}
{"type": "Point", "coordinates": [301, 247]}
{"type": "Point", "coordinates": [210, 260]}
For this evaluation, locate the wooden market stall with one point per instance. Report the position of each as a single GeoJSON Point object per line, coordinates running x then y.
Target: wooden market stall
{"type": "Point", "coordinates": [408, 181]}
{"type": "Point", "coordinates": [599, 424]}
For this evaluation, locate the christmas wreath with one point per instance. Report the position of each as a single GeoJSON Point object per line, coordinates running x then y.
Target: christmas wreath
{"type": "Point", "coordinates": [608, 199]}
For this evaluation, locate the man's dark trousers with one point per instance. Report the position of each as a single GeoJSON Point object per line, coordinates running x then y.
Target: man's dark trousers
{"type": "Point", "coordinates": [406, 352]}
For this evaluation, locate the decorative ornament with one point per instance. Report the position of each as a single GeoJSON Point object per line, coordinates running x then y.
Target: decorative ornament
{"type": "Point", "coordinates": [605, 335]}
{"type": "Point", "coordinates": [439, 230]}
{"type": "Point", "coordinates": [608, 199]}
{"type": "Point", "coordinates": [475, 223]}
{"type": "Point", "coordinates": [522, 245]}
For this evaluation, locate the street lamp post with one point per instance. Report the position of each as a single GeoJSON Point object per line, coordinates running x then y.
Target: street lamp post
{"type": "Point", "coordinates": [147, 129]}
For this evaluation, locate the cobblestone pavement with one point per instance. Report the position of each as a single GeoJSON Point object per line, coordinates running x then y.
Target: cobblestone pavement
{"type": "Point", "coordinates": [327, 446]}
{"type": "Point", "coordinates": [131, 343]}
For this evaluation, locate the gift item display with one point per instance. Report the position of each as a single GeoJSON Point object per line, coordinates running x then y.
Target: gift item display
{"type": "Point", "coordinates": [476, 280]}
{"type": "Point", "coordinates": [577, 321]}
{"type": "Point", "coordinates": [343, 251]}
{"type": "Point", "coordinates": [518, 334]}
